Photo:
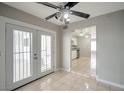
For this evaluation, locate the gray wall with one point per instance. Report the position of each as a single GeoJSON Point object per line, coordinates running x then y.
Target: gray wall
{"type": "Point", "coordinates": [85, 46]}
{"type": "Point", "coordinates": [110, 46]}
{"type": "Point", "coordinates": [16, 14]}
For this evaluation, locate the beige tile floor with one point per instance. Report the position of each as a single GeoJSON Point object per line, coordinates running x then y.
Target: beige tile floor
{"type": "Point", "coordinates": [79, 79]}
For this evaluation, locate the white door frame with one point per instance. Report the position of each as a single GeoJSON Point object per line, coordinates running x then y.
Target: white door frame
{"type": "Point", "coordinates": [3, 22]}
{"type": "Point", "coordinates": [70, 63]}
{"type": "Point", "coordinates": [9, 57]}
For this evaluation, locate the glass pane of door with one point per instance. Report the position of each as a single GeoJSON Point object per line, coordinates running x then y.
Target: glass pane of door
{"type": "Point", "coordinates": [22, 53]}
{"type": "Point", "coordinates": [45, 53]}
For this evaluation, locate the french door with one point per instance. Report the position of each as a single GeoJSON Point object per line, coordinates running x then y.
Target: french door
{"type": "Point", "coordinates": [45, 53]}
{"type": "Point", "coordinates": [29, 55]}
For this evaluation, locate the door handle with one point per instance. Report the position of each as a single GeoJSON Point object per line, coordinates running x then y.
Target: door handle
{"type": "Point", "coordinates": [35, 56]}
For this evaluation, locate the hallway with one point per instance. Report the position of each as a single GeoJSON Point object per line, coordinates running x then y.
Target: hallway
{"type": "Point", "coordinates": [81, 66]}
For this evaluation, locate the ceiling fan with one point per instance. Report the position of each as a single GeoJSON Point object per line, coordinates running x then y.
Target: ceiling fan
{"type": "Point", "coordinates": [64, 11]}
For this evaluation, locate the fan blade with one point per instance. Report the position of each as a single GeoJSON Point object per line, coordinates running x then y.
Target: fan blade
{"type": "Point", "coordinates": [80, 14]}
{"type": "Point", "coordinates": [49, 5]}
{"type": "Point", "coordinates": [71, 4]}
{"type": "Point", "coordinates": [47, 18]}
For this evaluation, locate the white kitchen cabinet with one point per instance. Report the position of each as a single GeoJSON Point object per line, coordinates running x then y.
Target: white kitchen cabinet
{"type": "Point", "coordinates": [74, 41]}
{"type": "Point", "coordinates": [74, 54]}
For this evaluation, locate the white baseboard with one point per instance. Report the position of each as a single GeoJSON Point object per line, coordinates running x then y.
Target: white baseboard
{"type": "Point", "coordinates": [64, 69]}
{"type": "Point", "coordinates": [57, 69]}
{"type": "Point", "coordinates": [110, 83]}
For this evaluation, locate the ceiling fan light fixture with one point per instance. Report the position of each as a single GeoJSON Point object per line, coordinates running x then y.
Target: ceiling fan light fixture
{"type": "Point", "coordinates": [64, 12]}
{"type": "Point", "coordinates": [68, 19]}
{"type": "Point", "coordinates": [66, 15]}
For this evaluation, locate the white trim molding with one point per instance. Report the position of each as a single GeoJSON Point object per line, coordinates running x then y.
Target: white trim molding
{"type": "Point", "coordinates": [58, 69]}
{"type": "Point", "coordinates": [64, 69]}
{"type": "Point", "coordinates": [109, 82]}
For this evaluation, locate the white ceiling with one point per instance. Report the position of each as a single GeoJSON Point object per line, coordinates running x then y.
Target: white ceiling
{"type": "Point", "coordinates": [94, 9]}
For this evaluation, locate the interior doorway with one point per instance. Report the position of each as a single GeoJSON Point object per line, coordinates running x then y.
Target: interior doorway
{"type": "Point", "coordinates": [83, 51]}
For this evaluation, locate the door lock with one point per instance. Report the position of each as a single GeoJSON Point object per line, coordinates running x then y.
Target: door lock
{"type": "Point", "coordinates": [35, 54]}
{"type": "Point", "coordinates": [35, 57]}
